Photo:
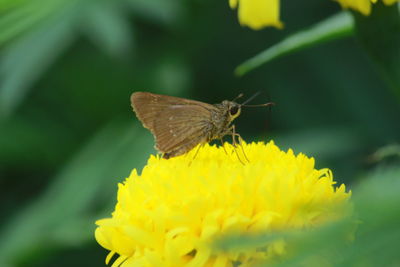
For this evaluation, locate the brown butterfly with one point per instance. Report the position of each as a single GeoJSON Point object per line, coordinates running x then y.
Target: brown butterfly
{"type": "Point", "coordinates": [180, 124]}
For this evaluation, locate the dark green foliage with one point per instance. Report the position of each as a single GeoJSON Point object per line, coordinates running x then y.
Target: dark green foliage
{"type": "Point", "coordinates": [379, 35]}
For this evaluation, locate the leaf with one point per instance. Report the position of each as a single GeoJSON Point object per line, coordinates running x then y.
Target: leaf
{"type": "Point", "coordinates": [159, 11]}
{"type": "Point", "coordinates": [322, 143]}
{"type": "Point", "coordinates": [24, 61]}
{"type": "Point", "coordinates": [335, 27]}
{"type": "Point", "coordinates": [26, 15]}
{"type": "Point", "coordinates": [379, 34]}
{"type": "Point", "coordinates": [83, 188]}
{"type": "Point", "coordinates": [108, 26]}
{"type": "Point", "coordinates": [36, 35]}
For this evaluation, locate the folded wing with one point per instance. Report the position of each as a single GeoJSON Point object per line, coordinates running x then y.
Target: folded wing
{"type": "Point", "coordinates": [177, 124]}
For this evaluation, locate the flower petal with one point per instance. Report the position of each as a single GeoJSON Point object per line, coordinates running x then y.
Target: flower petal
{"type": "Point", "coordinates": [170, 214]}
{"type": "Point", "coordinates": [363, 6]}
{"type": "Point", "coordinates": [258, 14]}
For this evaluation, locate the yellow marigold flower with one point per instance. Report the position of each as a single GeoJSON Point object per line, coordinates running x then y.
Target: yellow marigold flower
{"type": "Point", "coordinates": [257, 14]}
{"type": "Point", "coordinates": [171, 213]}
{"type": "Point", "coordinates": [363, 6]}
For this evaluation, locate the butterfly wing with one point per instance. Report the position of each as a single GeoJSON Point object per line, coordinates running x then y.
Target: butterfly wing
{"type": "Point", "coordinates": [147, 105]}
{"type": "Point", "coordinates": [177, 124]}
{"type": "Point", "coordinates": [181, 127]}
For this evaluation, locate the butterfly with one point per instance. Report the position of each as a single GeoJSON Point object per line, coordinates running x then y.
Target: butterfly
{"type": "Point", "coordinates": [180, 124]}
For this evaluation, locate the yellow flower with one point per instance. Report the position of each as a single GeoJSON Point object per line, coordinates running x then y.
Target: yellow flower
{"type": "Point", "coordinates": [257, 14]}
{"type": "Point", "coordinates": [171, 213]}
{"type": "Point", "coordinates": [363, 6]}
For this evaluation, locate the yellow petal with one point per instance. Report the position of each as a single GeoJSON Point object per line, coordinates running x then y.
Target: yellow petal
{"type": "Point", "coordinates": [233, 3]}
{"type": "Point", "coordinates": [171, 213]}
{"type": "Point", "coordinates": [363, 6]}
{"type": "Point", "coordinates": [258, 14]}
{"type": "Point", "coordinates": [390, 2]}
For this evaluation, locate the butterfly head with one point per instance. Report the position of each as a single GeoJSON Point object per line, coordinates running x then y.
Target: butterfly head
{"type": "Point", "coordinates": [233, 109]}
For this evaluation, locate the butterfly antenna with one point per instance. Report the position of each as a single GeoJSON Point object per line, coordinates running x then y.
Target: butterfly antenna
{"type": "Point", "coordinates": [260, 105]}
{"type": "Point", "coordinates": [251, 98]}
{"type": "Point", "coordinates": [270, 107]}
{"type": "Point", "coordinates": [239, 96]}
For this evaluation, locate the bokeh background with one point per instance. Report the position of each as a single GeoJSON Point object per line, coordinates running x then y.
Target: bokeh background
{"type": "Point", "coordinates": [68, 134]}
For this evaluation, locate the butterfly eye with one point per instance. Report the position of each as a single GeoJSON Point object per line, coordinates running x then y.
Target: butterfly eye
{"type": "Point", "coordinates": [233, 110]}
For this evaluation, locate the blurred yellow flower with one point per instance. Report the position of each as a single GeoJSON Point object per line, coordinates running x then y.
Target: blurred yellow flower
{"type": "Point", "coordinates": [363, 6]}
{"type": "Point", "coordinates": [171, 213]}
{"type": "Point", "coordinates": [257, 14]}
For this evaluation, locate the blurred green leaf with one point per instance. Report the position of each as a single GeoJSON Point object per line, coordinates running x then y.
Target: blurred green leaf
{"type": "Point", "coordinates": [77, 194]}
{"type": "Point", "coordinates": [25, 60]}
{"type": "Point", "coordinates": [376, 201]}
{"type": "Point", "coordinates": [8, 4]}
{"type": "Point", "coordinates": [23, 16]}
{"type": "Point", "coordinates": [388, 151]}
{"type": "Point", "coordinates": [335, 27]}
{"type": "Point", "coordinates": [32, 134]}
{"type": "Point", "coordinates": [44, 31]}
{"type": "Point", "coordinates": [108, 26]}
{"type": "Point", "coordinates": [322, 143]}
{"type": "Point", "coordinates": [157, 11]}
{"type": "Point", "coordinates": [379, 34]}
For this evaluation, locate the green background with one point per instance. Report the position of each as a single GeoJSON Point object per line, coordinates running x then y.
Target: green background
{"type": "Point", "coordinates": [68, 134]}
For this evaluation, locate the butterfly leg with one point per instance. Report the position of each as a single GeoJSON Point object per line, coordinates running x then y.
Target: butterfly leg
{"type": "Point", "coordinates": [241, 146]}
{"type": "Point", "coordinates": [234, 135]}
{"type": "Point", "coordinates": [222, 144]}
{"type": "Point", "coordinates": [195, 154]}
{"type": "Point", "coordinates": [240, 139]}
